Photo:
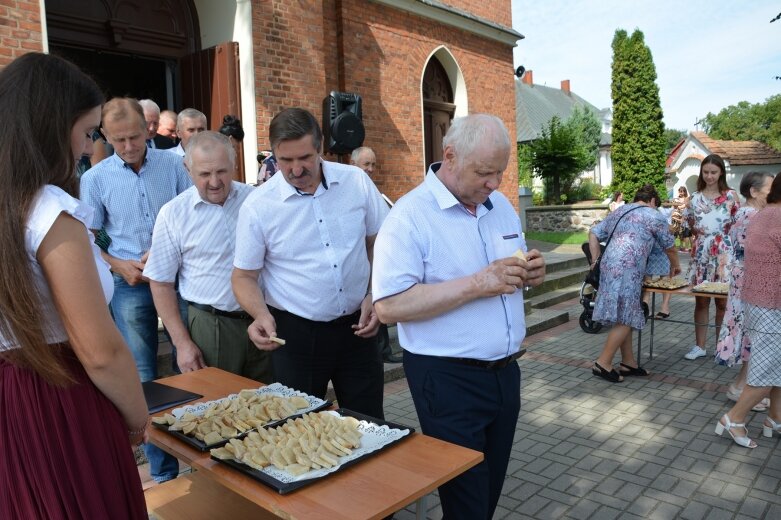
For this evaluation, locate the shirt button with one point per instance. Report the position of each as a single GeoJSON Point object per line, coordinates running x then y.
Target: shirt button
{"type": "Point", "coordinates": [326, 244]}
{"type": "Point", "coordinates": [334, 265]}
{"type": "Point", "coordinates": [340, 290]}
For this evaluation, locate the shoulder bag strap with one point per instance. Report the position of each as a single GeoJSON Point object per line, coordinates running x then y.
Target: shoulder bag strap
{"type": "Point", "coordinates": [616, 226]}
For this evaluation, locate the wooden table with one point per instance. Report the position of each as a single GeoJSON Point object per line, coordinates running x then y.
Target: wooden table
{"type": "Point", "coordinates": [685, 291]}
{"type": "Point", "coordinates": [374, 488]}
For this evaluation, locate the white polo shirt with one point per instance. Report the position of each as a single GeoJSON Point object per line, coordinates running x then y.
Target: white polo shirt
{"type": "Point", "coordinates": [196, 239]}
{"type": "Point", "coordinates": [429, 237]}
{"type": "Point", "coordinates": [311, 249]}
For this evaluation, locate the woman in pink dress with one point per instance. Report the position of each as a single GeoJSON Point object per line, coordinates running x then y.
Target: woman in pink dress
{"type": "Point", "coordinates": [734, 344]}
{"type": "Point", "coordinates": [761, 296]}
{"type": "Point", "coordinates": [71, 404]}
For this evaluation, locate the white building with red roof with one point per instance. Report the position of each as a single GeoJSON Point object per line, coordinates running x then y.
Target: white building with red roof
{"type": "Point", "coordinates": [740, 157]}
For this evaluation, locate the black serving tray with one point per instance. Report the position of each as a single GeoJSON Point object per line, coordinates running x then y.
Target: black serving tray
{"type": "Point", "coordinates": [286, 487]}
{"type": "Point", "coordinates": [201, 446]}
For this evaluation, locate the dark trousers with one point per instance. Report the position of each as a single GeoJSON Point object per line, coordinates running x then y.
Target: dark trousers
{"type": "Point", "coordinates": [316, 352]}
{"type": "Point", "coordinates": [473, 407]}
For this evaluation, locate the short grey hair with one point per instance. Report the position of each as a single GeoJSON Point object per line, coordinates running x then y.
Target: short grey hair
{"type": "Point", "coordinates": [149, 106]}
{"type": "Point", "coordinates": [357, 153]}
{"type": "Point", "coordinates": [208, 142]}
{"type": "Point", "coordinates": [468, 133]}
{"type": "Point", "coordinates": [189, 113]}
{"type": "Point", "coordinates": [753, 180]}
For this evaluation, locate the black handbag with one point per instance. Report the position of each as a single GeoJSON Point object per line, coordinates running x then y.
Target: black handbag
{"type": "Point", "coordinates": [592, 276]}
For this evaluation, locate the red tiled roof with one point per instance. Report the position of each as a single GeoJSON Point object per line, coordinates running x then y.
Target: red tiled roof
{"type": "Point", "coordinates": [740, 152]}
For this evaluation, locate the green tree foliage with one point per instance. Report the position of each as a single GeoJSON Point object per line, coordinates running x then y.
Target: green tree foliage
{"type": "Point", "coordinates": [671, 138]}
{"type": "Point", "coordinates": [525, 172]}
{"type": "Point", "coordinates": [748, 122]}
{"type": "Point", "coordinates": [558, 156]}
{"type": "Point", "coordinates": [587, 127]}
{"type": "Point", "coordinates": [638, 150]}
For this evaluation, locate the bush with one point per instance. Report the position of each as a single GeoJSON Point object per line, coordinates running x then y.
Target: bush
{"type": "Point", "coordinates": [538, 198]}
{"type": "Point", "coordinates": [585, 190]}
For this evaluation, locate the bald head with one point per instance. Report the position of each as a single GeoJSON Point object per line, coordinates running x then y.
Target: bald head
{"type": "Point", "coordinates": [167, 124]}
{"type": "Point", "coordinates": [365, 159]}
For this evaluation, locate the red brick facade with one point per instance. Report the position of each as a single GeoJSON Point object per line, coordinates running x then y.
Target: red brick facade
{"type": "Point", "coordinates": [305, 49]}
{"type": "Point", "coordinates": [380, 53]}
{"type": "Point", "coordinates": [20, 29]}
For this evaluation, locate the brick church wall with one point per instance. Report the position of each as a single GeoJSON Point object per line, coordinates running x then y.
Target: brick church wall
{"type": "Point", "coordinates": [20, 29]}
{"type": "Point", "coordinates": [379, 52]}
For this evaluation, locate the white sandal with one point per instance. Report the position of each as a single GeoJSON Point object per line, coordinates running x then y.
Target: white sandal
{"type": "Point", "coordinates": [767, 431]}
{"type": "Point", "coordinates": [741, 440]}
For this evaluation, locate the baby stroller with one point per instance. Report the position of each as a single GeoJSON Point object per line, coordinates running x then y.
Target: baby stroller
{"type": "Point", "coordinates": [588, 296]}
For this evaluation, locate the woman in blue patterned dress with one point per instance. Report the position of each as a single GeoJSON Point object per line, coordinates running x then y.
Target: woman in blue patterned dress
{"type": "Point", "coordinates": [711, 213]}
{"type": "Point", "coordinates": [622, 268]}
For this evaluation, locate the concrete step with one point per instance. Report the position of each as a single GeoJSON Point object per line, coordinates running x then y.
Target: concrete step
{"type": "Point", "coordinates": [550, 298]}
{"type": "Point", "coordinates": [559, 280]}
{"type": "Point", "coordinates": [556, 262]}
{"type": "Point", "coordinates": [540, 320]}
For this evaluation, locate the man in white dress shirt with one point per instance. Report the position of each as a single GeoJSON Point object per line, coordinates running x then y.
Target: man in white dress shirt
{"type": "Point", "coordinates": [308, 233]}
{"type": "Point", "coordinates": [445, 270]}
{"type": "Point", "coordinates": [188, 123]}
{"type": "Point", "coordinates": [194, 238]}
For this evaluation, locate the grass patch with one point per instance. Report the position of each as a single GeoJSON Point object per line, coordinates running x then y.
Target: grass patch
{"type": "Point", "coordinates": [558, 237]}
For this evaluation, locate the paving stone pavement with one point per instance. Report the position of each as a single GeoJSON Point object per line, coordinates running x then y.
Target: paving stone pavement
{"type": "Point", "coordinates": [645, 448]}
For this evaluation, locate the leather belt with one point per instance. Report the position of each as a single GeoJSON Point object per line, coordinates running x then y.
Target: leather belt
{"type": "Point", "coordinates": [347, 319]}
{"type": "Point", "coordinates": [239, 315]}
{"type": "Point", "coordinates": [496, 364]}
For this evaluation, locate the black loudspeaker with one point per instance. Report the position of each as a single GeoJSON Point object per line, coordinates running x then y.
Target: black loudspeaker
{"type": "Point", "coordinates": [343, 129]}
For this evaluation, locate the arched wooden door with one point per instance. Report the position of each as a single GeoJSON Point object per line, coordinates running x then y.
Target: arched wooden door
{"type": "Point", "coordinates": [438, 109]}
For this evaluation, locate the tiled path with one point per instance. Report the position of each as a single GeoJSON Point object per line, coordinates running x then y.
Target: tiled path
{"type": "Point", "coordinates": [644, 448]}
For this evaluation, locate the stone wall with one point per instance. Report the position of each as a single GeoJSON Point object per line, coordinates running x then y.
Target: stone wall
{"type": "Point", "coordinates": [564, 218]}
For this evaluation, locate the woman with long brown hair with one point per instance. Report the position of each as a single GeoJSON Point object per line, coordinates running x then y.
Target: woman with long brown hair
{"type": "Point", "coordinates": [710, 214]}
{"type": "Point", "coordinates": [71, 403]}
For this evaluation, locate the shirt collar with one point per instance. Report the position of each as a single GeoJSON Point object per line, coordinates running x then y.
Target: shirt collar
{"type": "Point", "coordinates": [327, 178]}
{"type": "Point", "coordinates": [445, 199]}
{"type": "Point", "coordinates": [127, 165]}
{"type": "Point", "coordinates": [195, 197]}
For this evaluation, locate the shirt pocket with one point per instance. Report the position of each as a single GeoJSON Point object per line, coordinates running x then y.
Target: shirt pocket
{"type": "Point", "coordinates": [506, 244]}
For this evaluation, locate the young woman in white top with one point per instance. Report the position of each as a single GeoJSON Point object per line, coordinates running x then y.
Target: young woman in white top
{"type": "Point", "coordinates": [71, 404]}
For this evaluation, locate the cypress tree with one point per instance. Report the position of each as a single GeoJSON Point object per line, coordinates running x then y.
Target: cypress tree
{"type": "Point", "coordinates": [638, 150]}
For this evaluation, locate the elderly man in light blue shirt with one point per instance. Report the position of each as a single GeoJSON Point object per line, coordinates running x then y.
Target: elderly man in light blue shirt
{"type": "Point", "coordinates": [445, 269]}
{"type": "Point", "coordinates": [126, 192]}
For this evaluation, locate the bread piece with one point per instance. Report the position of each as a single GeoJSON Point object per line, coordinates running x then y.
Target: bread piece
{"type": "Point", "coordinates": [520, 254]}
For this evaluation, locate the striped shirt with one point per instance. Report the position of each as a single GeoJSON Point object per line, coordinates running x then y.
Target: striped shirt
{"type": "Point", "coordinates": [196, 239]}
{"type": "Point", "coordinates": [126, 203]}
{"type": "Point", "coordinates": [311, 249]}
{"type": "Point", "coordinates": [429, 237]}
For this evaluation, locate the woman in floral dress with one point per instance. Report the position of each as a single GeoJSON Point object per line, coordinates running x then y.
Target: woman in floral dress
{"type": "Point", "coordinates": [622, 268]}
{"type": "Point", "coordinates": [711, 213]}
{"type": "Point", "coordinates": [734, 344]}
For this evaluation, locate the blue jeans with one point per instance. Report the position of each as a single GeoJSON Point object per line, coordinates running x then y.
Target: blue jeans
{"type": "Point", "coordinates": [136, 318]}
